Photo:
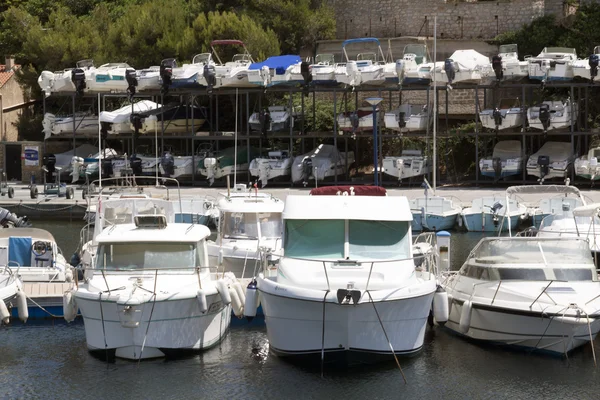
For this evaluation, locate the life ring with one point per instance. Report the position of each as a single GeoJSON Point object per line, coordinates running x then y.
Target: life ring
{"type": "Point", "coordinates": [39, 248]}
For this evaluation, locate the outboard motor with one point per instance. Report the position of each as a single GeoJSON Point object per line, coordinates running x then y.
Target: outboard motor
{"type": "Point", "coordinates": [401, 120]}
{"type": "Point", "coordinates": [495, 208]}
{"type": "Point", "coordinates": [354, 121]}
{"type": "Point", "coordinates": [6, 218]}
{"type": "Point", "coordinates": [400, 71]}
{"type": "Point", "coordinates": [497, 115]}
{"type": "Point", "coordinates": [497, 165]}
{"type": "Point", "coordinates": [136, 165]}
{"type": "Point", "coordinates": [307, 170]}
{"type": "Point", "coordinates": [210, 77]}
{"type": "Point", "coordinates": [265, 121]}
{"type": "Point", "coordinates": [78, 79]}
{"type": "Point", "coordinates": [497, 67]}
{"type": "Point", "coordinates": [449, 68]}
{"type": "Point", "coordinates": [593, 61]}
{"type": "Point", "coordinates": [49, 161]}
{"type": "Point", "coordinates": [544, 166]}
{"type": "Point", "coordinates": [136, 120]}
{"type": "Point", "coordinates": [166, 73]}
{"type": "Point", "coordinates": [544, 116]}
{"type": "Point", "coordinates": [107, 168]}
{"type": "Point", "coordinates": [305, 72]}
{"type": "Point", "coordinates": [167, 162]}
{"type": "Point", "coordinates": [132, 82]}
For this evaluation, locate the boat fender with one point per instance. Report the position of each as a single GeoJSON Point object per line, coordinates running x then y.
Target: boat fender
{"type": "Point", "coordinates": [69, 275]}
{"type": "Point", "coordinates": [251, 303]}
{"type": "Point", "coordinates": [465, 317]}
{"type": "Point", "coordinates": [69, 307]}
{"type": "Point", "coordinates": [223, 291]}
{"type": "Point", "coordinates": [202, 301]}
{"type": "Point", "coordinates": [4, 314]}
{"type": "Point", "coordinates": [236, 303]}
{"type": "Point", "coordinates": [22, 306]}
{"type": "Point", "coordinates": [440, 306]}
{"type": "Point", "coordinates": [240, 291]}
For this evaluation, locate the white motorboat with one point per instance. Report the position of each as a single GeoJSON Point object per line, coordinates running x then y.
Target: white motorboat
{"type": "Point", "coordinates": [506, 66]}
{"type": "Point", "coordinates": [148, 79]}
{"type": "Point", "coordinates": [463, 66]}
{"type": "Point", "coordinates": [325, 161]}
{"type": "Point", "coordinates": [506, 160]}
{"type": "Point", "coordinates": [323, 70]}
{"type": "Point", "coordinates": [347, 287]}
{"type": "Point", "coordinates": [176, 118]}
{"type": "Point", "coordinates": [276, 70]}
{"type": "Point", "coordinates": [508, 115]}
{"type": "Point", "coordinates": [11, 289]}
{"type": "Point", "coordinates": [552, 160]}
{"type": "Point", "coordinates": [277, 163]}
{"type": "Point", "coordinates": [83, 123]}
{"type": "Point", "coordinates": [367, 70]}
{"type": "Point", "coordinates": [119, 121]}
{"type": "Point", "coordinates": [409, 118]}
{"type": "Point", "coordinates": [587, 68]}
{"type": "Point", "coordinates": [272, 119]}
{"type": "Point", "coordinates": [34, 256]}
{"type": "Point", "coordinates": [136, 164]}
{"type": "Point", "coordinates": [434, 213]}
{"type": "Point", "coordinates": [151, 293]}
{"type": "Point", "coordinates": [552, 114]}
{"type": "Point", "coordinates": [421, 74]}
{"type": "Point", "coordinates": [493, 214]}
{"type": "Point", "coordinates": [87, 168]}
{"type": "Point", "coordinates": [70, 80]}
{"type": "Point", "coordinates": [111, 78]}
{"type": "Point", "coordinates": [249, 222]}
{"type": "Point", "coordinates": [193, 75]}
{"type": "Point", "coordinates": [358, 120]}
{"type": "Point", "coordinates": [177, 167]}
{"type": "Point", "coordinates": [529, 292]}
{"type": "Point", "coordinates": [64, 160]}
{"type": "Point", "coordinates": [226, 162]}
{"type": "Point", "coordinates": [552, 64]}
{"type": "Point", "coordinates": [587, 166]}
{"type": "Point", "coordinates": [411, 163]}
{"type": "Point", "coordinates": [414, 56]}
{"type": "Point", "coordinates": [232, 73]}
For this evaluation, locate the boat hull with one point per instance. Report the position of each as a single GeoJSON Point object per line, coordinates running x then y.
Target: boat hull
{"type": "Point", "coordinates": [484, 222]}
{"type": "Point", "coordinates": [433, 222]}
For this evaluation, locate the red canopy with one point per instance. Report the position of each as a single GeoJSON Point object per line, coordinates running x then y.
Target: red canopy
{"type": "Point", "coordinates": [224, 42]}
{"type": "Point", "coordinates": [350, 190]}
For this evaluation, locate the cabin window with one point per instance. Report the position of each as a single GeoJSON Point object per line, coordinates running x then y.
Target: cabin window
{"type": "Point", "coordinates": [149, 256]}
{"type": "Point", "coordinates": [271, 225]}
{"type": "Point", "coordinates": [240, 226]}
{"type": "Point", "coordinates": [316, 239]}
{"type": "Point", "coordinates": [378, 240]}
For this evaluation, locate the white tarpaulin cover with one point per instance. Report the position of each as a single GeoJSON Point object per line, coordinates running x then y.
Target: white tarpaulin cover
{"type": "Point", "coordinates": [557, 151]}
{"type": "Point", "coordinates": [469, 59]}
{"type": "Point", "coordinates": [122, 114]}
{"type": "Point", "coordinates": [507, 149]}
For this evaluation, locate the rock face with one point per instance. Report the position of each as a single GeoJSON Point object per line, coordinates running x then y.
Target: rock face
{"type": "Point", "coordinates": [457, 19]}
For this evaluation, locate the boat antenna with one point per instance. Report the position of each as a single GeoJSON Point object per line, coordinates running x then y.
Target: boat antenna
{"type": "Point", "coordinates": [434, 104]}
{"type": "Point", "coordinates": [99, 147]}
{"type": "Point", "coordinates": [235, 140]}
{"type": "Point", "coordinates": [157, 165]}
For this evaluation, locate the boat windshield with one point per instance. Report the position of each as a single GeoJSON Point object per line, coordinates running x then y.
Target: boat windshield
{"type": "Point", "coordinates": [508, 48]}
{"type": "Point", "coordinates": [367, 240]}
{"type": "Point", "coordinates": [325, 59]}
{"type": "Point", "coordinates": [531, 259]}
{"type": "Point", "coordinates": [149, 256]}
{"type": "Point", "coordinates": [238, 225]}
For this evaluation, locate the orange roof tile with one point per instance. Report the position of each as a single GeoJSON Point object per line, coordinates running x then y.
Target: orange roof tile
{"type": "Point", "coordinates": [6, 75]}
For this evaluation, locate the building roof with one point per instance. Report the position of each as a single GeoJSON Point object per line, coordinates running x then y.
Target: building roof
{"type": "Point", "coordinates": [5, 74]}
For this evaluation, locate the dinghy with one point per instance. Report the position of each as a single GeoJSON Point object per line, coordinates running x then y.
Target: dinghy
{"type": "Point", "coordinates": [506, 160]}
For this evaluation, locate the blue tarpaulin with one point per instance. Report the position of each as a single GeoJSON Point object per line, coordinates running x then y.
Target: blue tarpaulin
{"type": "Point", "coordinates": [19, 251]}
{"type": "Point", "coordinates": [278, 63]}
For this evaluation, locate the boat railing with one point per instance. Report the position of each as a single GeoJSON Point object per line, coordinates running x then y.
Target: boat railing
{"type": "Point", "coordinates": [499, 283]}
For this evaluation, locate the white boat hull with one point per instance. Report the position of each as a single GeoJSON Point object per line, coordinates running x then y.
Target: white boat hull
{"type": "Point", "coordinates": [484, 222]}
{"type": "Point", "coordinates": [265, 169]}
{"type": "Point", "coordinates": [404, 168]}
{"type": "Point", "coordinates": [512, 118]}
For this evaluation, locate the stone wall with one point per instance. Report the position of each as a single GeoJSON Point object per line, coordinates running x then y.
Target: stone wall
{"type": "Point", "coordinates": [458, 19]}
{"type": "Point", "coordinates": [12, 95]}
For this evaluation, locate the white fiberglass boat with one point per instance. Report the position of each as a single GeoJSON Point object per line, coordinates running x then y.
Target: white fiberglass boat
{"type": "Point", "coordinates": [466, 66]}
{"type": "Point", "coordinates": [434, 213]}
{"type": "Point", "coordinates": [506, 66]}
{"type": "Point", "coordinates": [148, 79]}
{"type": "Point", "coordinates": [323, 70]}
{"type": "Point", "coordinates": [177, 167]}
{"type": "Point", "coordinates": [111, 78]}
{"type": "Point", "coordinates": [414, 56]}
{"type": "Point", "coordinates": [411, 163]}
{"type": "Point", "coordinates": [529, 292]}
{"type": "Point", "coordinates": [151, 293]}
{"type": "Point", "coordinates": [232, 73]}
{"type": "Point", "coordinates": [346, 286]}
{"type": "Point", "coordinates": [551, 115]}
{"type": "Point", "coordinates": [325, 161]}
{"type": "Point", "coordinates": [506, 160]}
{"type": "Point", "coordinates": [193, 75]}
{"type": "Point", "coordinates": [249, 222]}
{"type": "Point", "coordinates": [508, 115]}
{"type": "Point", "coordinates": [552, 64]}
{"type": "Point", "coordinates": [11, 289]}
{"type": "Point", "coordinates": [82, 123]}
{"type": "Point", "coordinates": [359, 120]}
{"type": "Point", "coordinates": [409, 118]}
{"type": "Point", "coordinates": [493, 214]}
{"type": "Point", "coordinates": [421, 74]}
{"type": "Point", "coordinates": [177, 118]}
{"type": "Point", "coordinates": [226, 162]}
{"type": "Point", "coordinates": [119, 121]}
{"type": "Point", "coordinates": [367, 70]}
{"type": "Point", "coordinates": [277, 163]}
{"type": "Point", "coordinates": [273, 119]}
{"type": "Point", "coordinates": [552, 160]}
{"type": "Point", "coordinates": [587, 166]}
{"type": "Point", "coordinates": [70, 80]}
{"type": "Point", "coordinates": [588, 68]}
{"type": "Point", "coordinates": [276, 70]}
